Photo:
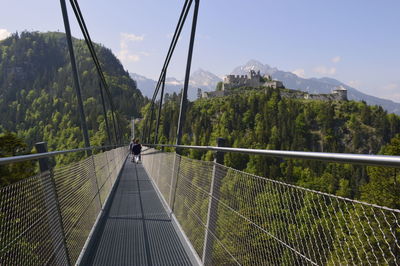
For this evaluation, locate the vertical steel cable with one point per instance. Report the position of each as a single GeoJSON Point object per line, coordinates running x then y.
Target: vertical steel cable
{"type": "Point", "coordinates": [182, 112]}
{"type": "Point", "coordinates": [175, 38]}
{"type": "Point", "coordinates": [75, 75]}
{"type": "Point", "coordinates": [105, 115]}
{"type": "Point", "coordinates": [89, 43]}
{"type": "Point", "coordinates": [159, 110]}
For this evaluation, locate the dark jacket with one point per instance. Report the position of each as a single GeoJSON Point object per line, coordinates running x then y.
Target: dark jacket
{"type": "Point", "coordinates": [136, 149]}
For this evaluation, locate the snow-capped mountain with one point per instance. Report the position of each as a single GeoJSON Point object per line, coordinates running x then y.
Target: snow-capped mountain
{"type": "Point", "coordinates": [202, 79]}
{"type": "Point", "coordinates": [314, 85]}
{"type": "Point", "coordinates": [145, 85]}
{"type": "Point", "coordinates": [207, 82]}
{"type": "Point", "coordinates": [254, 65]}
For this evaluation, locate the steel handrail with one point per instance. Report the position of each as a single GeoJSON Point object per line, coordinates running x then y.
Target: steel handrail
{"type": "Point", "coordinates": [365, 159]}
{"type": "Point", "coordinates": [22, 158]}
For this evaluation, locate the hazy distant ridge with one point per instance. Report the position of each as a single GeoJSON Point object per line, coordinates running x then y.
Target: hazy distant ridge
{"type": "Point", "coordinates": [207, 82]}
{"type": "Point", "coordinates": [315, 85]}
{"type": "Point", "coordinates": [198, 79]}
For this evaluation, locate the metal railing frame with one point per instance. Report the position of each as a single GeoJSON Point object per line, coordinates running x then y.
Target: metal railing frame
{"type": "Point", "coordinates": [42, 156]}
{"type": "Point", "coordinates": [364, 159]}
{"type": "Point", "coordinates": [23, 158]}
{"type": "Point", "coordinates": [371, 160]}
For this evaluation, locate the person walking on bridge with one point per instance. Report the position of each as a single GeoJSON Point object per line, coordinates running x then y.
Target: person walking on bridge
{"type": "Point", "coordinates": [136, 149]}
{"type": "Point", "coordinates": [130, 148]}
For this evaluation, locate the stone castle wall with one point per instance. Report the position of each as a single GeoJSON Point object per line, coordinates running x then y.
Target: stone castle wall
{"type": "Point", "coordinates": [255, 80]}
{"type": "Point", "coordinates": [336, 95]}
{"type": "Point", "coordinates": [236, 81]}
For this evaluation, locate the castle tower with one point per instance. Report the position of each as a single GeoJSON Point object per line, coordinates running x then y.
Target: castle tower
{"type": "Point", "coordinates": [340, 92]}
{"type": "Point", "coordinates": [251, 74]}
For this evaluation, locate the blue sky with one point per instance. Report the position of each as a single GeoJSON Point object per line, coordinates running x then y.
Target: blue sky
{"type": "Point", "coordinates": [354, 41]}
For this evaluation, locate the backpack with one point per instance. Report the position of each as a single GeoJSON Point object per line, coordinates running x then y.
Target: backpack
{"type": "Point", "coordinates": [136, 148]}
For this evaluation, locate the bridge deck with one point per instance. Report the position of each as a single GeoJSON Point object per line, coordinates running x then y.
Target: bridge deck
{"type": "Point", "coordinates": [136, 230]}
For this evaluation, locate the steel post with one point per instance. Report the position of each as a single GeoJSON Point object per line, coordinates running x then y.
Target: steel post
{"type": "Point", "coordinates": [174, 181]}
{"type": "Point", "coordinates": [212, 213]}
{"type": "Point", "coordinates": [96, 181]}
{"type": "Point", "coordinates": [51, 199]}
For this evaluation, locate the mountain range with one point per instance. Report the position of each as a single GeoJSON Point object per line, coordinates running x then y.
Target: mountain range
{"type": "Point", "coordinates": [199, 79]}
{"type": "Point", "coordinates": [207, 82]}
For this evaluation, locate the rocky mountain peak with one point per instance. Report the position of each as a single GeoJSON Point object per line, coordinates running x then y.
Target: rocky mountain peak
{"type": "Point", "coordinates": [254, 65]}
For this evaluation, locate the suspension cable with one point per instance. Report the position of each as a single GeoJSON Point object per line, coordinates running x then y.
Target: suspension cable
{"type": "Point", "coordinates": [85, 32]}
{"type": "Point", "coordinates": [171, 49]}
{"type": "Point", "coordinates": [89, 42]}
{"type": "Point", "coordinates": [161, 80]}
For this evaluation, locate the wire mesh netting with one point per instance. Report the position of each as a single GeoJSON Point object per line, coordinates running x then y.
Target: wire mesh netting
{"type": "Point", "coordinates": [163, 174]}
{"type": "Point", "coordinates": [30, 227]}
{"type": "Point", "coordinates": [259, 221]}
{"type": "Point", "coordinates": [46, 219]}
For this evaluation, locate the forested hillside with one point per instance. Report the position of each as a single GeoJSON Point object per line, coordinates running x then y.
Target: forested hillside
{"type": "Point", "coordinates": [263, 119]}
{"type": "Point", "coordinates": [38, 99]}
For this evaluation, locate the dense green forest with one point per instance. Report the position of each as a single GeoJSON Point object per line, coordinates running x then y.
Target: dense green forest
{"type": "Point", "coordinates": [38, 100]}
{"type": "Point", "coordinates": [38, 103]}
{"type": "Point", "coordinates": [263, 119]}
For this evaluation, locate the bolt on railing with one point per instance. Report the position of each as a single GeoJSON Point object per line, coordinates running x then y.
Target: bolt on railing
{"type": "Point", "coordinates": [46, 219]}
{"type": "Point", "coordinates": [232, 217]}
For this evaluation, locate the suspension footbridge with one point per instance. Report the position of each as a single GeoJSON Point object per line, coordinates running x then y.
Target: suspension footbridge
{"type": "Point", "coordinates": [174, 210]}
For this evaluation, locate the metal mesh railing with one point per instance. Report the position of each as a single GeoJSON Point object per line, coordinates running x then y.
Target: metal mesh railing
{"type": "Point", "coordinates": [232, 217]}
{"type": "Point", "coordinates": [46, 219]}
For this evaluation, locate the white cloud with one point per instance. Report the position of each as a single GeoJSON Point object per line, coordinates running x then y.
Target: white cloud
{"type": "Point", "coordinates": [4, 34]}
{"type": "Point", "coordinates": [390, 92]}
{"type": "Point", "coordinates": [323, 70]}
{"type": "Point", "coordinates": [131, 37]}
{"type": "Point", "coordinates": [299, 72]}
{"type": "Point", "coordinates": [125, 55]}
{"type": "Point", "coordinates": [391, 87]}
{"type": "Point", "coordinates": [354, 83]}
{"type": "Point", "coordinates": [336, 59]}
{"type": "Point", "coordinates": [395, 97]}
{"type": "Point", "coordinates": [144, 53]}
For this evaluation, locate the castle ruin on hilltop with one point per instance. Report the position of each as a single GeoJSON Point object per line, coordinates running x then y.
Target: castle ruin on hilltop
{"type": "Point", "coordinates": [338, 94]}
{"type": "Point", "coordinates": [255, 80]}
